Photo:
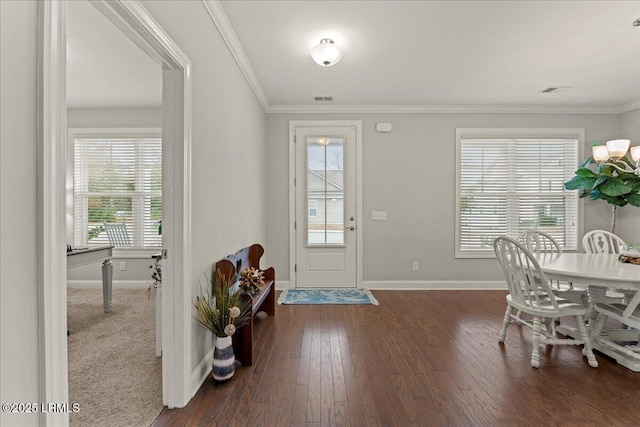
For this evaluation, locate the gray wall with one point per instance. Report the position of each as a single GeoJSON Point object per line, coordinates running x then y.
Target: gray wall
{"type": "Point", "coordinates": [18, 224]}
{"type": "Point", "coordinates": [628, 218]}
{"type": "Point", "coordinates": [115, 117]}
{"type": "Point", "coordinates": [417, 191]}
{"type": "Point", "coordinates": [228, 175]}
{"type": "Point", "coordinates": [228, 132]}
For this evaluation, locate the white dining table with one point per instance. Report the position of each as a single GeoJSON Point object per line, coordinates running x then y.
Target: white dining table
{"type": "Point", "coordinates": [599, 273]}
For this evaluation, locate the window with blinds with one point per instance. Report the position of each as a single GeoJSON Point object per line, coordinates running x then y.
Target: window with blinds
{"type": "Point", "coordinates": [509, 185]}
{"type": "Point", "coordinates": [117, 191]}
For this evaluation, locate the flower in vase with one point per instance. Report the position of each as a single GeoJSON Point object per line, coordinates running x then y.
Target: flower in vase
{"type": "Point", "coordinates": [221, 310]}
{"type": "Point", "coordinates": [234, 312]}
{"type": "Point", "coordinates": [229, 330]}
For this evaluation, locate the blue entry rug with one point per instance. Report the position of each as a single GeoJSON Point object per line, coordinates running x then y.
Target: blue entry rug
{"type": "Point", "coordinates": [327, 296]}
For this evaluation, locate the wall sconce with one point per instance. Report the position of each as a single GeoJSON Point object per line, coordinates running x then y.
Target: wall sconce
{"type": "Point", "coordinates": [326, 53]}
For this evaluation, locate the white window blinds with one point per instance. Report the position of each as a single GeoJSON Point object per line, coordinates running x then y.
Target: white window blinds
{"type": "Point", "coordinates": [117, 191]}
{"type": "Point", "coordinates": [509, 185]}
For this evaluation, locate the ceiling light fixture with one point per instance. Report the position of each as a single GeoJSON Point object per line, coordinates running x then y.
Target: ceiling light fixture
{"type": "Point", "coordinates": [326, 53]}
{"type": "Point", "coordinates": [614, 154]}
{"type": "Point", "coordinates": [636, 23]}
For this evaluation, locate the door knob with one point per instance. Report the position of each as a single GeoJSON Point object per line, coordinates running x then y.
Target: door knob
{"type": "Point", "coordinates": [353, 227]}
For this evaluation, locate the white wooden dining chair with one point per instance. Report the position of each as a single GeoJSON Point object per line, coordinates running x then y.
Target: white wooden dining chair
{"type": "Point", "coordinates": [117, 234]}
{"type": "Point", "coordinates": [627, 314]}
{"type": "Point", "coordinates": [531, 293]}
{"type": "Point", "coordinates": [538, 242]}
{"type": "Point", "coordinates": [601, 242]}
{"type": "Point", "coordinates": [604, 242]}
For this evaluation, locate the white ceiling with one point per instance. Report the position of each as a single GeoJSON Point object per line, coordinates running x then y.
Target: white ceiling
{"type": "Point", "coordinates": [104, 67]}
{"type": "Point", "coordinates": [444, 52]}
{"type": "Point", "coordinates": [396, 53]}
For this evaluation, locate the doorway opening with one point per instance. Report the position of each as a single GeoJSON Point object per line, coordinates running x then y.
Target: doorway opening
{"type": "Point", "coordinates": [133, 20]}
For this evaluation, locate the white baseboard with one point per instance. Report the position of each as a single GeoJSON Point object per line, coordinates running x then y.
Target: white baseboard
{"type": "Point", "coordinates": [199, 375]}
{"type": "Point", "coordinates": [404, 285]}
{"type": "Point", "coordinates": [435, 284]}
{"type": "Point", "coordinates": [117, 284]}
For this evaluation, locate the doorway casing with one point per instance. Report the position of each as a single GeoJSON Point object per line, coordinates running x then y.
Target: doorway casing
{"type": "Point", "coordinates": [134, 20]}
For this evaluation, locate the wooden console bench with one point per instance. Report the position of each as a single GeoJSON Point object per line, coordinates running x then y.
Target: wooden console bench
{"type": "Point", "coordinates": [263, 301]}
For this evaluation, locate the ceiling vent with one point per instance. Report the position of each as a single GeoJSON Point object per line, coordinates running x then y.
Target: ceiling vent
{"type": "Point", "coordinates": [322, 98]}
{"type": "Point", "coordinates": [555, 89]}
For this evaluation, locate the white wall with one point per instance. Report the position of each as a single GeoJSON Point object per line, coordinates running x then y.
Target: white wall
{"type": "Point", "coordinates": [18, 225]}
{"type": "Point", "coordinates": [228, 132]}
{"type": "Point", "coordinates": [416, 190]}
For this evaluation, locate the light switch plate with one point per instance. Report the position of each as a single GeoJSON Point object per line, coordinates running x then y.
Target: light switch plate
{"type": "Point", "coordinates": [379, 215]}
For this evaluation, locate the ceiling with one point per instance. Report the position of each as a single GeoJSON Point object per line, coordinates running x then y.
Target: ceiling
{"type": "Point", "coordinates": [404, 54]}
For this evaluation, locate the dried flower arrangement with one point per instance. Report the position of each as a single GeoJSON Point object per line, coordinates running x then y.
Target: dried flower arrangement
{"type": "Point", "coordinates": [156, 275]}
{"type": "Point", "coordinates": [224, 311]}
{"type": "Point", "coordinates": [251, 280]}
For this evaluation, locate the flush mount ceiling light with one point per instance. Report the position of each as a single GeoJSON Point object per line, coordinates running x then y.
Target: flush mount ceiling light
{"type": "Point", "coordinates": [326, 53]}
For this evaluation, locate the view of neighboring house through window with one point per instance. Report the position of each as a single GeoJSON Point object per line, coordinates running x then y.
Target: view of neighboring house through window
{"type": "Point", "coordinates": [509, 185]}
{"type": "Point", "coordinates": [117, 191]}
{"type": "Point", "coordinates": [325, 190]}
{"type": "Point", "coordinates": [313, 208]}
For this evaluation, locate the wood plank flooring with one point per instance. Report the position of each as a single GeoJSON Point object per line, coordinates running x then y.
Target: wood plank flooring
{"type": "Point", "coordinates": [420, 358]}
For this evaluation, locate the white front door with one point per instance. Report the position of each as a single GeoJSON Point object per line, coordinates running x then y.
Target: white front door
{"type": "Point", "coordinates": [325, 206]}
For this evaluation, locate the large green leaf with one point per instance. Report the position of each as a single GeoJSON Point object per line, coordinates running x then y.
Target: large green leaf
{"type": "Point", "coordinates": [635, 184]}
{"type": "Point", "coordinates": [600, 180]}
{"type": "Point", "coordinates": [615, 188]}
{"type": "Point", "coordinates": [585, 172]}
{"type": "Point", "coordinates": [618, 201]}
{"type": "Point", "coordinates": [580, 183]}
{"type": "Point", "coordinates": [604, 170]}
{"type": "Point", "coordinates": [633, 199]}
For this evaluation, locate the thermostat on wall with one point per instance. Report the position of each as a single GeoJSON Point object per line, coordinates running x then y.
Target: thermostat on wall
{"type": "Point", "coordinates": [383, 127]}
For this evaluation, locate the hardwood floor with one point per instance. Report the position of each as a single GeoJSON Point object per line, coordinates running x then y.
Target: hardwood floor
{"type": "Point", "coordinates": [420, 358]}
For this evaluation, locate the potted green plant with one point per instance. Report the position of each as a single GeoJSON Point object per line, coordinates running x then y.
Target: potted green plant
{"type": "Point", "coordinates": [605, 182]}
{"type": "Point", "coordinates": [222, 312]}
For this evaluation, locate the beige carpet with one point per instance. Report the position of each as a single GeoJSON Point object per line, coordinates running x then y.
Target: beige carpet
{"type": "Point", "coordinates": [114, 374]}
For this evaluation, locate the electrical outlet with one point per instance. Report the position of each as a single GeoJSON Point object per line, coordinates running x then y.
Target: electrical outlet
{"type": "Point", "coordinates": [415, 266]}
{"type": "Point", "coordinates": [379, 215]}
{"type": "Point", "coordinates": [123, 266]}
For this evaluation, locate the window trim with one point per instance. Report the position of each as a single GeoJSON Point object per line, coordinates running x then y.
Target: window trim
{"type": "Point", "coordinates": [88, 133]}
{"type": "Point", "coordinates": [504, 133]}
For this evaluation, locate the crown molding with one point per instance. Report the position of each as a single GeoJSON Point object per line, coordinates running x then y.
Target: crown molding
{"type": "Point", "coordinates": [219, 17]}
{"type": "Point", "coordinates": [630, 106]}
{"type": "Point", "coordinates": [443, 109]}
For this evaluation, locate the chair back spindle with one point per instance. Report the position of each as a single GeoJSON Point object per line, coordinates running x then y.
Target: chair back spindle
{"type": "Point", "coordinates": [602, 242]}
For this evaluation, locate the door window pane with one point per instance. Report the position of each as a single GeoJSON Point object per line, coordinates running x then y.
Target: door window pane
{"type": "Point", "coordinates": [325, 190]}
